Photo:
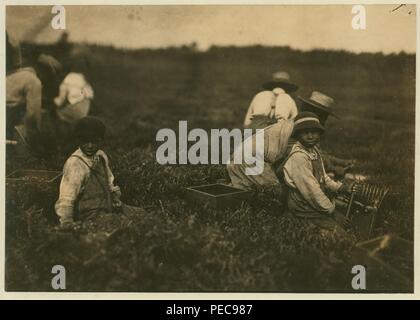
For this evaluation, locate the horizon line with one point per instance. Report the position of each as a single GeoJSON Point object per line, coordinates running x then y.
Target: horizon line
{"type": "Point", "coordinates": [213, 46]}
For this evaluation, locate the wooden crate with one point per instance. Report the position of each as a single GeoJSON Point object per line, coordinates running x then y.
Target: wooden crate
{"type": "Point", "coordinates": [216, 196]}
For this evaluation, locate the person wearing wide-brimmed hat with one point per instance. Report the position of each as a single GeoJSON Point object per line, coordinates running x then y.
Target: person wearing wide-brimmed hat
{"type": "Point", "coordinates": [324, 106]}
{"type": "Point", "coordinates": [320, 104]}
{"type": "Point", "coordinates": [272, 110]}
{"type": "Point", "coordinates": [273, 103]}
{"type": "Point", "coordinates": [310, 188]}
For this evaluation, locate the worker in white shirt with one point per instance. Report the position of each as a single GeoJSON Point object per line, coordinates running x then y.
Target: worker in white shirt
{"type": "Point", "coordinates": [274, 111]}
{"type": "Point", "coordinates": [72, 103]}
{"type": "Point", "coordinates": [272, 104]}
{"type": "Point", "coordinates": [73, 100]}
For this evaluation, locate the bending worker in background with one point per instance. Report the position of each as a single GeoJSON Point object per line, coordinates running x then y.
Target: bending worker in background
{"type": "Point", "coordinates": [270, 105]}
{"type": "Point", "coordinates": [272, 110]}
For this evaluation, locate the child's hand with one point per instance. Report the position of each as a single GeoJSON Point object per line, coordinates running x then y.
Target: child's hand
{"type": "Point", "coordinates": [347, 187]}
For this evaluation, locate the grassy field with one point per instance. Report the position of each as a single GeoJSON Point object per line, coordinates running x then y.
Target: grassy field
{"type": "Point", "coordinates": [175, 247]}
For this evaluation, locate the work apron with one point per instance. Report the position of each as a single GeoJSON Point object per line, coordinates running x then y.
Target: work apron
{"type": "Point", "coordinates": [96, 196]}
{"type": "Point", "coordinates": [94, 206]}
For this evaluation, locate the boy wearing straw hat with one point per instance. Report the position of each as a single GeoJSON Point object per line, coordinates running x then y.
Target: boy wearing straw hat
{"type": "Point", "coordinates": [311, 190]}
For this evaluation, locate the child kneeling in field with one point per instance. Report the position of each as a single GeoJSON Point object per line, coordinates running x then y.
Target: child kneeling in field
{"type": "Point", "coordinates": [87, 190]}
{"type": "Point", "coordinates": [311, 190]}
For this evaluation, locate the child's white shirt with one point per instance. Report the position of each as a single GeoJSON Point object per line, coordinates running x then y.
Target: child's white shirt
{"type": "Point", "coordinates": [75, 175]}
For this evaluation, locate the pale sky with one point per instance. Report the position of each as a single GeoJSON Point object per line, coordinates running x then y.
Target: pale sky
{"type": "Point", "coordinates": [301, 27]}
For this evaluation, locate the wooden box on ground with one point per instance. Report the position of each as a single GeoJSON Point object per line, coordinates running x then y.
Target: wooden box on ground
{"type": "Point", "coordinates": [216, 196]}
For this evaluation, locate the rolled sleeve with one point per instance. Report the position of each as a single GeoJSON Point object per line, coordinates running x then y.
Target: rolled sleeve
{"type": "Point", "coordinates": [331, 184]}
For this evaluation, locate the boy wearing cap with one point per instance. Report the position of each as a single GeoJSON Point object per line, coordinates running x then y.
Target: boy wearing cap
{"type": "Point", "coordinates": [87, 187]}
{"type": "Point", "coordinates": [322, 105]}
{"type": "Point", "coordinates": [311, 190]}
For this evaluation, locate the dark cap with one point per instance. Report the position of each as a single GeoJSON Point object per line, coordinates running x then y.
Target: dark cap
{"type": "Point", "coordinates": [90, 129]}
{"type": "Point", "coordinates": [307, 120]}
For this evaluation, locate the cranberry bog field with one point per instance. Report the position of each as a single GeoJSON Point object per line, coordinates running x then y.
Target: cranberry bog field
{"type": "Point", "coordinates": [252, 248]}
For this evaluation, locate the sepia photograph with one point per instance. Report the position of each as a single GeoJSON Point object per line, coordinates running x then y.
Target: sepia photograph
{"type": "Point", "coordinates": [210, 148]}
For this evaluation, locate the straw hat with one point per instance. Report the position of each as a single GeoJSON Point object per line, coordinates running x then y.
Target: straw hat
{"type": "Point", "coordinates": [320, 101]}
{"type": "Point", "coordinates": [281, 79]}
